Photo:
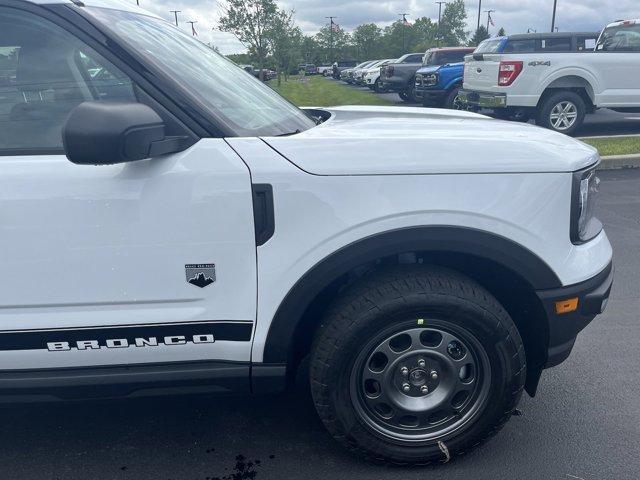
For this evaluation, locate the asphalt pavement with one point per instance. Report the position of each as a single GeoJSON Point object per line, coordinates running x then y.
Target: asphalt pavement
{"type": "Point", "coordinates": [602, 122]}
{"type": "Point", "coordinates": [583, 425]}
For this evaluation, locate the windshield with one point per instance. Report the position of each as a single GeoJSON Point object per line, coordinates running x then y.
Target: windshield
{"type": "Point", "coordinates": [621, 38]}
{"type": "Point", "coordinates": [430, 59]}
{"type": "Point", "coordinates": [239, 101]}
{"type": "Point", "coordinates": [489, 46]}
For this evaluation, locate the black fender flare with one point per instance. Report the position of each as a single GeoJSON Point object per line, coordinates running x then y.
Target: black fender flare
{"type": "Point", "coordinates": [450, 239]}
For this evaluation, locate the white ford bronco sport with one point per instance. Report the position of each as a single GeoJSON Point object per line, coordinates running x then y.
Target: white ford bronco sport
{"type": "Point", "coordinates": [558, 88]}
{"type": "Point", "coordinates": [169, 223]}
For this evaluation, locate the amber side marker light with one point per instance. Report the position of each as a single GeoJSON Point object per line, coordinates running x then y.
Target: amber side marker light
{"type": "Point", "coordinates": [567, 306]}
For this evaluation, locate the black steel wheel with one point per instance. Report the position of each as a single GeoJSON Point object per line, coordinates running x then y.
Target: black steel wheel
{"type": "Point", "coordinates": [419, 382]}
{"type": "Point", "coordinates": [416, 364]}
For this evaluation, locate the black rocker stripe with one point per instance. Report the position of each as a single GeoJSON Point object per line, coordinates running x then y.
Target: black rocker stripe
{"type": "Point", "coordinates": [38, 339]}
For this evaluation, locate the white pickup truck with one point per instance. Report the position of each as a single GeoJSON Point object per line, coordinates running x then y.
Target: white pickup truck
{"type": "Point", "coordinates": [559, 89]}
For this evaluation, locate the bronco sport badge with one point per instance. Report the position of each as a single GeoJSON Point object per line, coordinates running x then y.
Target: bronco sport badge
{"type": "Point", "coordinates": [201, 275]}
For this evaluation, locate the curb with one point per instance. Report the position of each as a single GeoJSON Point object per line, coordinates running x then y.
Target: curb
{"type": "Point", "coordinates": [610, 137]}
{"type": "Point", "coordinates": [618, 162]}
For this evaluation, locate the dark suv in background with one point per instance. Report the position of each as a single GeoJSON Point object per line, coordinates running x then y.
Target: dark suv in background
{"type": "Point", "coordinates": [399, 76]}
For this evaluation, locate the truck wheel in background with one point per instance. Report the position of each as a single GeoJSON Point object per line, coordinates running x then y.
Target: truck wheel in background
{"type": "Point", "coordinates": [415, 365]}
{"type": "Point", "coordinates": [563, 111]}
{"type": "Point", "coordinates": [452, 102]}
{"type": "Point", "coordinates": [408, 94]}
{"type": "Point", "coordinates": [376, 86]}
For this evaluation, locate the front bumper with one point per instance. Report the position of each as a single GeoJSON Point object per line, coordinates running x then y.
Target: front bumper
{"type": "Point", "coordinates": [430, 93]}
{"type": "Point", "coordinates": [592, 295]}
{"type": "Point", "coordinates": [483, 99]}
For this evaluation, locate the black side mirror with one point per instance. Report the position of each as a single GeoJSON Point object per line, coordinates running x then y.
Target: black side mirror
{"type": "Point", "coordinates": [105, 133]}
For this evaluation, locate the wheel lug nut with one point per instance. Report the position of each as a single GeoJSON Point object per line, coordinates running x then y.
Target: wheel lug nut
{"type": "Point", "coordinates": [434, 375]}
{"type": "Point", "coordinates": [404, 371]}
{"type": "Point", "coordinates": [424, 389]}
{"type": "Point", "coordinates": [421, 363]}
{"type": "Point", "coordinates": [406, 387]}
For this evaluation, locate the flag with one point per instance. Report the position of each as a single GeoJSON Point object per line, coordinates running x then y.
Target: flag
{"type": "Point", "coordinates": [334, 26]}
{"type": "Point", "coordinates": [193, 30]}
{"type": "Point", "coordinates": [491, 21]}
{"type": "Point", "coordinates": [407, 23]}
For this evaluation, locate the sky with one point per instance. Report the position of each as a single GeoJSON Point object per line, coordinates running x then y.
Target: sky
{"type": "Point", "coordinates": [516, 16]}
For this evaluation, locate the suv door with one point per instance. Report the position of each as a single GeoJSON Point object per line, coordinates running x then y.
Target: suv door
{"type": "Point", "coordinates": [145, 262]}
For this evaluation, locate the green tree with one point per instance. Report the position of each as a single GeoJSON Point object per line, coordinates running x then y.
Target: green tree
{"type": "Point", "coordinates": [285, 40]}
{"type": "Point", "coordinates": [367, 39]}
{"type": "Point", "coordinates": [332, 42]}
{"type": "Point", "coordinates": [424, 34]}
{"type": "Point", "coordinates": [397, 39]}
{"type": "Point", "coordinates": [240, 58]}
{"type": "Point", "coordinates": [309, 50]}
{"type": "Point", "coordinates": [480, 35]}
{"type": "Point", "coordinates": [250, 21]}
{"type": "Point", "coordinates": [501, 32]}
{"type": "Point", "coordinates": [452, 26]}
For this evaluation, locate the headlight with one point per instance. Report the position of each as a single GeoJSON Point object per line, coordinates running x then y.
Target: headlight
{"type": "Point", "coordinates": [584, 225]}
{"type": "Point", "coordinates": [419, 79]}
{"type": "Point", "coordinates": [431, 79]}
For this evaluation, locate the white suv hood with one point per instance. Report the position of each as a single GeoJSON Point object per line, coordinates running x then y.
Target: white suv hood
{"type": "Point", "coordinates": [404, 141]}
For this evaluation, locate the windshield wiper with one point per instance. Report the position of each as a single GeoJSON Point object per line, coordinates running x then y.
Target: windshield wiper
{"type": "Point", "coordinates": [290, 133]}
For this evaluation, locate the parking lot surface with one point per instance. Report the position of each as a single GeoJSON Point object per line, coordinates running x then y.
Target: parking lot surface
{"type": "Point", "coordinates": [582, 425]}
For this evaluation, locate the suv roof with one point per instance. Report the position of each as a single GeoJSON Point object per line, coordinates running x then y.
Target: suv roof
{"type": "Point", "coordinates": [450, 49]}
{"type": "Point", "coordinates": [617, 23]}
{"type": "Point", "coordinates": [525, 36]}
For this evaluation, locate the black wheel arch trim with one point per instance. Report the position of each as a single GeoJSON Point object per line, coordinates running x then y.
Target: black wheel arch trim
{"type": "Point", "coordinates": [446, 239]}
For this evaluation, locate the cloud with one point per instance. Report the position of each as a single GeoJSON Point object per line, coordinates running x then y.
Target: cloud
{"type": "Point", "coordinates": [516, 16]}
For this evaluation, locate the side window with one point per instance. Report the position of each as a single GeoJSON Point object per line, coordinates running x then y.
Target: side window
{"type": "Point", "coordinates": [521, 46]}
{"type": "Point", "coordinates": [452, 57]}
{"type": "Point", "coordinates": [586, 44]}
{"type": "Point", "coordinates": [562, 44]}
{"type": "Point", "coordinates": [623, 38]}
{"type": "Point", "coordinates": [44, 74]}
{"type": "Point", "coordinates": [414, 59]}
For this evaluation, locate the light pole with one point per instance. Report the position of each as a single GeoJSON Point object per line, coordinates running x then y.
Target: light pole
{"type": "Point", "coordinates": [553, 20]}
{"type": "Point", "coordinates": [175, 13]}
{"type": "Point", "coordinates": [193, 28]}
{"type": "Point", "coordinates": [404, 26]}
{"type": "Point", "coordinates": [331, 27]}
{"type": "Point", "coordinates": [439, 20]}
{"type": "Point", "coordinates": [479, 14]}
{"type": "Point", "coordinates": [488, 12]}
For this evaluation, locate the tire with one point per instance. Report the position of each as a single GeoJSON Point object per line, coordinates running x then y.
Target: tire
{"type": "Point", "coordinates": [451, 101]}
{"type": "Point", "coordinates": [408, 94]}
{"type": "Point", "coordinates": [555, 105]}
{"type": "Point", "coordinates": [406, 302]}
{"type": "Point", "coordinates": [376, 86]}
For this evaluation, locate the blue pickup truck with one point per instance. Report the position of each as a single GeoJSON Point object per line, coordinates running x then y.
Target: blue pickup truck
{"type": "Point", "coordinates": [440, 78]}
